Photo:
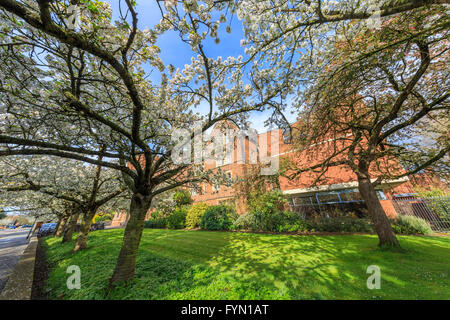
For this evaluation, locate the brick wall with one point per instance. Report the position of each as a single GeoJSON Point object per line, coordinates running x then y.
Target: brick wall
{"type": "Point", "coordinates": [340, 176]}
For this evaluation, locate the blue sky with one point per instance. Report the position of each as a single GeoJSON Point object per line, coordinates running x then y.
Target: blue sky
{"type": "Point", "coordinates": [177, 53]}
{"type": "Point", "coordinates": [173, 50]}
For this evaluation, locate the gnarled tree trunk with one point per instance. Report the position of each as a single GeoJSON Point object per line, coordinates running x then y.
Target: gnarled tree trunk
{"type": "Point", "coordinates": [126, 262]}
{"type": "Point", "coordinates": [61, 226]}
{"type": "Point", "coordinates": [85, 226]}
{"type": "Point", "coordinates": [71, 227]}
{"type": "Point", "coordinates": [379, 219]}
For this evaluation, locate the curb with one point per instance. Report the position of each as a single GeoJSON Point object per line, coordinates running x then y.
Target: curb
{"type": "Point", "coordinates": [20, 281]}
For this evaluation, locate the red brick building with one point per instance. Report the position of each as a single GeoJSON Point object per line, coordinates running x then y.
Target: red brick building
{"type": "Point", "coordinates": [338, 186]}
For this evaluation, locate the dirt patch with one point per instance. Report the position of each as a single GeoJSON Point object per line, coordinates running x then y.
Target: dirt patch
{"type": "Point", "coordinates": [441, 234]}
{"type": "Point", "coordinates": [41, 271]}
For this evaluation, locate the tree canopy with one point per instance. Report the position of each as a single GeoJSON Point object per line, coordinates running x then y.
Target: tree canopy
{"type": "Point", "coordinates": [98, 91]}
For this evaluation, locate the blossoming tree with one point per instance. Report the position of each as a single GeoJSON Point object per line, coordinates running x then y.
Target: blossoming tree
{"type": "Point", "coordinates": [83, 93]}
{"type": "Point", "coordinates": [84, 188]}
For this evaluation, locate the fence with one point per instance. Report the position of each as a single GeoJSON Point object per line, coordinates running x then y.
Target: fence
{"type": "Point", "coordinates": [435, 210]}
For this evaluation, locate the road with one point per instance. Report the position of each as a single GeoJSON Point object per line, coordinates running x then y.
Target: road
{"type": "Point", "coordinates": [12, 244]}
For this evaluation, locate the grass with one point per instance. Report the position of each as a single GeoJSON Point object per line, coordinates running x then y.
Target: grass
{"type": "Point", "coordinates": [222, 265]}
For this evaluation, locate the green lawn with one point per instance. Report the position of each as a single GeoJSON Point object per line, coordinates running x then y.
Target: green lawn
{"type": "Point", "coordinates": [223, 265]}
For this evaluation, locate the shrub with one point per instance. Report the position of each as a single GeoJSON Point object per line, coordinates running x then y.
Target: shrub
{"type": "Point", "coordinates": [267, 210]}
{"type": "Point", "coordinates": [177, 219]}
{"type": "Point", "coordinates": [103, 218]}
{"type": "Point", "coordinates": [434, 192]}
{"type": "Point", "coordinates": [245, 221]}
{"type": "Point", "coordinates": [157, 220]}
{"type": "Point", "coordinates": [343, 224]}
{"type": "Point", "coordinates": [405, 224]}
{"type": "Point", "coordinates": [195, 214]}
{"type": "Point", "coordinates": [182, 198]}
{"type": "Point", "coordinates": [294, 222]}
{"type": "Point", "coordinates": [268, 202]}
{"type": "Point", "coordinates": [280, 221]}
{"type": "Point", "coordinates": [296, 227]}
{"type": "Point", "coordinates": [218, 218]}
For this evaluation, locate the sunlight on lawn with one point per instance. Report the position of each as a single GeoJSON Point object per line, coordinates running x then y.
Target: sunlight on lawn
{"type": "Point", "coordinates": [224, 265]}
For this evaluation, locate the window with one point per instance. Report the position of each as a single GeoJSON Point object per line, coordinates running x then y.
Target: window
{"type": "Point", "coordinates": [229, 178]}
{"type": "Point", "coordinates": [331, 197]}
{"type": "Point", "coordinates": [228, 148]}
{"type": "Point", "coordinates": [193, 191]}
{"type": "Point", "coordinates": [350, 195]}
{"type": "Point", "coordinates": [341, 196]}
{"type": "Point", "coordinates": [216, 186]}
{"type": "Point", "coordinates": [381, 195]}
{"type": "Point", "coordinates": [287, 135]}
{"type": "Point", "coordinates": [347, 200]}
{"type": "Point", "coordinates": [303, 200]}
{"type": "Point", "coordinates": [226, 155]}
{"type": "Point", "coordinates": [205, 188]}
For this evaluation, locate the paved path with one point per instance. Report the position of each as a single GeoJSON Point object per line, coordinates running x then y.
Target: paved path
{"type": "Point", "coordinates": [12, 244]}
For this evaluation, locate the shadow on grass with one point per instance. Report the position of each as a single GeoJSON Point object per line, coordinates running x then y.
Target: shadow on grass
{"type": "Point", "coordinates": [157, 276]}
{"type": "Point", "coordinates": [335, 267]}
{"type": "Point", "coordinates": [216, 265]}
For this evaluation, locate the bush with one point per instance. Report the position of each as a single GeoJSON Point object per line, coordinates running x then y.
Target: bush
{"type": "Point", "coordinates": [405, 224]}
{"type": "Point", "coordinates": [278, 221]}
{"type": "Point", "coordinates": [218, 218]}
{"type": "Point", "coordinates": [283, 221]}
{"type": "Point", "coordinates": [286, 221]}
{"type": "Point", "coordinates": [177, 219]}
{"type": "Point", "coordinates": [182, 198]}
{"type": "Point", "coordinates": [343, 224]}
{"type": "Point", "coordinates": [293, 222]}
{"type": "Point", "coordinates": [299, 226]}
{"type": "Point", "coordinates": [103, 218]}
{"type": "Point", "coordinates": [267, 210]}
{"type": "Point", "coordinates": [245, 221]}
{"type": "Point", "coordinates": [268, 202]}
{"type": "Point", "coordinates": [195, 214]}
{"type": "Point", "coordinates": [157, 220]}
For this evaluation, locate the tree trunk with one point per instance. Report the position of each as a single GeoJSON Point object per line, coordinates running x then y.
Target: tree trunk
{"type": "Point", "coordinates": [57, 225]}
{"type": "Point", "coordinates": [85, 226]}
{"type": "Point", "coordinates": [71, 227]}
{"type": "Point", "coordinates": [61, 226]}
{"type": "Point", "coordinates": [126, 262]}
{"type": "Point", "coordinates": [379, 219]}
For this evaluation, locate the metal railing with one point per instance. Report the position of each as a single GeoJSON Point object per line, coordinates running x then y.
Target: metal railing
{"type": "Point", "coordinates": [435, 210]}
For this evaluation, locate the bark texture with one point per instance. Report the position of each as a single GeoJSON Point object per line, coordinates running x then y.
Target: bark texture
{"type": "Point", "coordinates": [72, 224]}
{"type": "Point", "coordinates": [379, 219]}
{"type": "Point", "coordinates": [85, 226]}
{"type": "Point", "coordinates": [61, 226]}
{"type": "Point", "coordinates": [126, 262]}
